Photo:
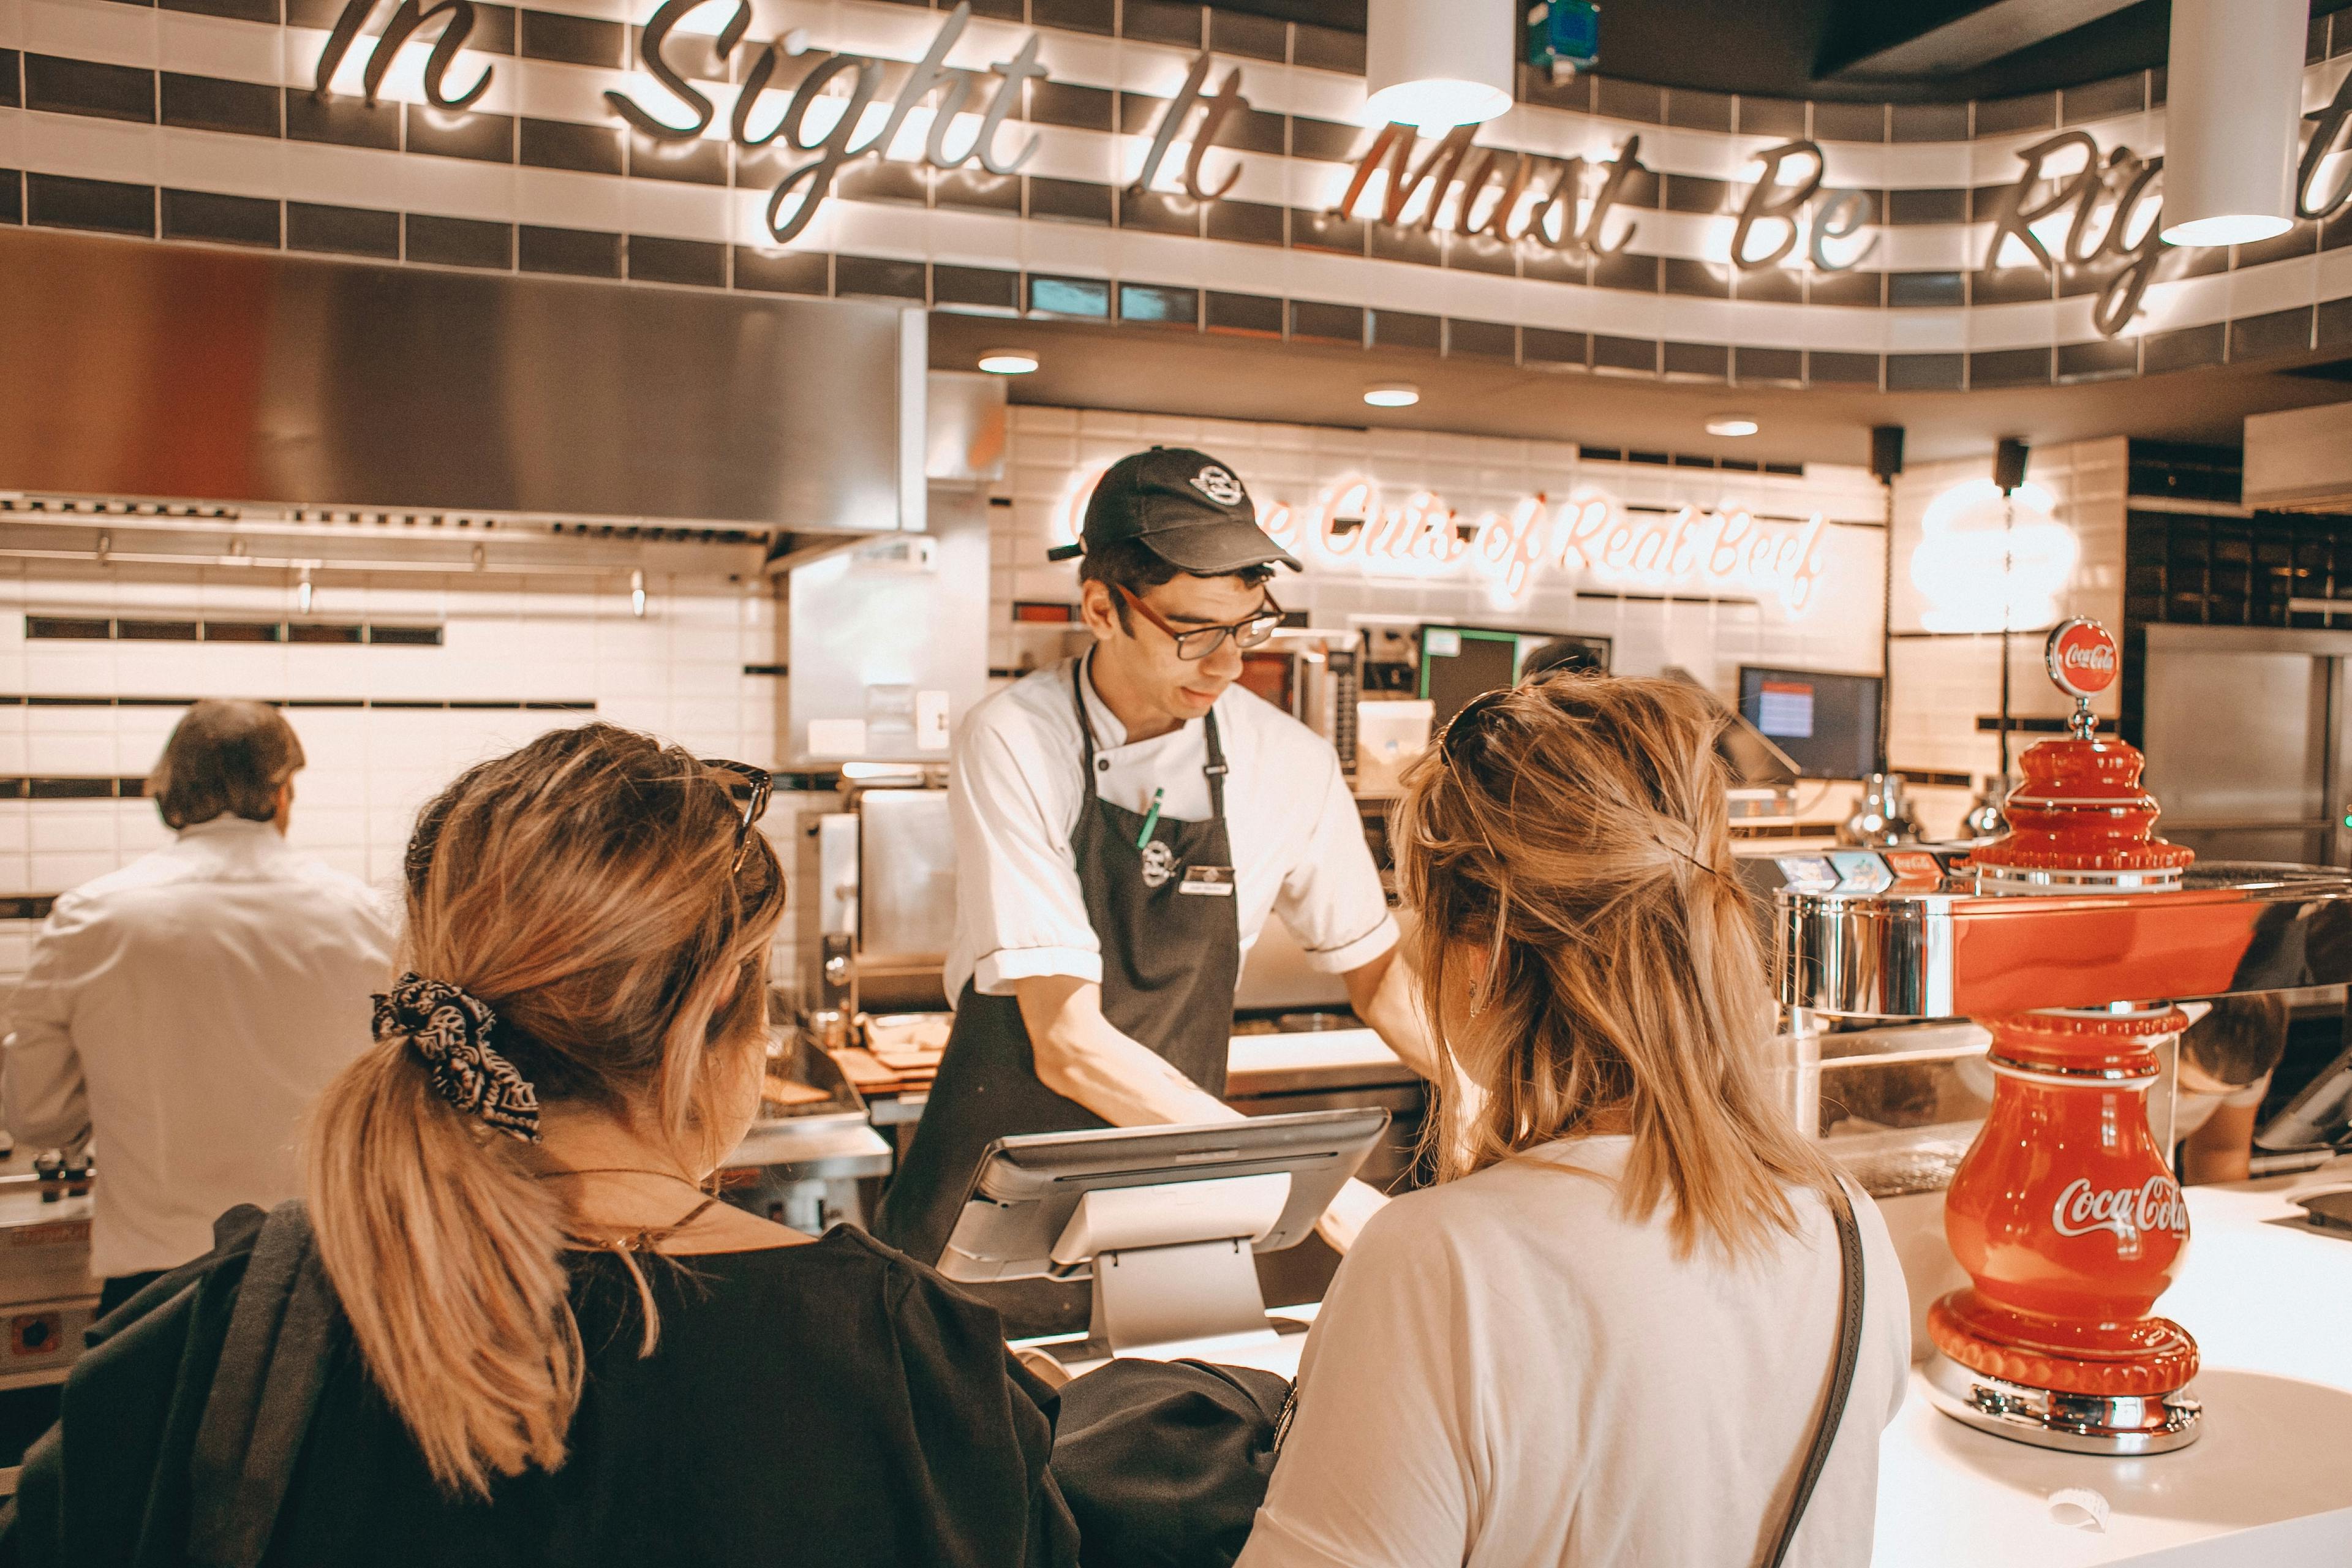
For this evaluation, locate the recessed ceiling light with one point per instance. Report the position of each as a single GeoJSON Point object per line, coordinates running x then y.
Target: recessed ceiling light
{"type": "Point", "coordinates": [1008, 362]}
{"type": "Point", "coordinates": [1392, 394]}
{"type": "Point", "coordinates": [1731, 425]}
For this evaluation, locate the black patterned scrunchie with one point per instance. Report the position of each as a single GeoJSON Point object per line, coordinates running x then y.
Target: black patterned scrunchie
{"type": "Point", "coordinates": [450, 1029]}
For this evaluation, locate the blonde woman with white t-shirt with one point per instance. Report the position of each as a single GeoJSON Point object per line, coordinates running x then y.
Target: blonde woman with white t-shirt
{"type": "Point", "coordinates": [1607, 1335]}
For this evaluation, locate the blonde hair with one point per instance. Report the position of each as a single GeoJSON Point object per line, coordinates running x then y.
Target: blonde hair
{"type": "Point", "coordinates": [1576, 829]}
{"type": "Point", "coordinates": [581, 886]}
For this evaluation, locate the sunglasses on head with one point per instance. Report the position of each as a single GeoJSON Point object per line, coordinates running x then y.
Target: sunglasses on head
{"type": "Point", "coordinates": [1465, 720]}
{"type": "Point", "coordinates": [747, 786]}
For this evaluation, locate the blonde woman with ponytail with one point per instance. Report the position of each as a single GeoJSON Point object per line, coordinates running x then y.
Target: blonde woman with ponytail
{"type": "Point", "coordinates": [543, 1342]}
{"type": "Point", "coordinates": [1609, 1334]}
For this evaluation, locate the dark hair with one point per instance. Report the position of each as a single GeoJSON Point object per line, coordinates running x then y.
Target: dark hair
{"type": "Point", "coordinates": [1135, 566]}
{"type": "Point", "coordinates": [225, 756]}
{"type": "Point", "coordinates": [1564, 653]}
{"type": "Point", "coordinates": [2241, 1039]}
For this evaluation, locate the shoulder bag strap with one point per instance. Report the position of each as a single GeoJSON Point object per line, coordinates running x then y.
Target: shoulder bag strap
{"type": "Point", "coordinates": [265, 1387]}
{"type": "Point", "coordinates": [1849, 1352]}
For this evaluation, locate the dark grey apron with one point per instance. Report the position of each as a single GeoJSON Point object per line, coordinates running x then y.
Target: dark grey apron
{"type": "Point", "coordinates": [1170, 959]}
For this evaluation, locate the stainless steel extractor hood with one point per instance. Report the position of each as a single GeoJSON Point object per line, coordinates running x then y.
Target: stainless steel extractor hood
{"type": "Point", "coordinates": [306, 391]}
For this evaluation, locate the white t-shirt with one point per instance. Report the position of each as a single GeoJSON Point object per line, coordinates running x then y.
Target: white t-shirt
{"type": "Point", "coordinates": [1508, 1374]}
{"type": "Point", "coordinates": [187, 1009]}
{"type": "Point", "coordinates": [1013, 794]}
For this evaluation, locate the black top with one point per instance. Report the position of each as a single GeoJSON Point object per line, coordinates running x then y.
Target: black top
{"type": "Point", "coordinates": [828, 1403]}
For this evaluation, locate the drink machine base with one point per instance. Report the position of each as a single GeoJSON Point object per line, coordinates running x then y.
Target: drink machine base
{"type": "Point", "coordinates": [2063, 1211]}
{"type": "Point", "coordinates": [2120, 1425]}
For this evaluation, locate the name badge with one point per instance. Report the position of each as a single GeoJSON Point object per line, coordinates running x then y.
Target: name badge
{"type": "Point", "coordinates": [1208, 881]}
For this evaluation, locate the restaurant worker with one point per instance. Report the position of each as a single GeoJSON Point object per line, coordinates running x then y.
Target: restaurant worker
{"type": "Point", "coordinates": [186, 1009]}
{"type": "Point", "coordinates": [1125, 823]}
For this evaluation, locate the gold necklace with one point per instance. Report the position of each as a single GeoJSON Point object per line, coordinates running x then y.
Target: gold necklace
{"type": "Point", "coordinates": [648, 1238]}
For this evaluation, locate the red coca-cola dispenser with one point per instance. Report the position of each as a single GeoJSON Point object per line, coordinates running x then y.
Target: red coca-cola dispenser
{"type": "Point", "coordinates": [2069, 939]}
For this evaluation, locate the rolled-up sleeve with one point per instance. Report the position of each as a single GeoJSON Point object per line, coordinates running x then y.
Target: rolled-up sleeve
{"type": "Point", "coordinates": [1019, 903]}
{"type": "Point", "coordinates": [1333, 900]}
{"type": "Point", "coordinates": [41, 1082]}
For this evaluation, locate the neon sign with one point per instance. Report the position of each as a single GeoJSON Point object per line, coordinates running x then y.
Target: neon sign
{"type": "Point", "coordinates": [1588, 538]}
{"type": "Point", "coordinates": [1986, 566]}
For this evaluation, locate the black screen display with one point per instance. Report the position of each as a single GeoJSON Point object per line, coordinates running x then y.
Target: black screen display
{"type": "Point", "coordinates": [1458, 663]}
{"type": "Point", "coordinates": [1827, 724]}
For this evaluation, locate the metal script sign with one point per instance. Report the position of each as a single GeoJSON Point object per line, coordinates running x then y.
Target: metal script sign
{"type": "Point", "coordinates": [2110, 203]}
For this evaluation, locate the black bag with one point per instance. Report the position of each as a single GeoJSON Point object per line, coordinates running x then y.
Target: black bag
{"type": "Point", "coordinates": [1164, 1463]}
{"type": "Point", "coordinates": [208, 1379]}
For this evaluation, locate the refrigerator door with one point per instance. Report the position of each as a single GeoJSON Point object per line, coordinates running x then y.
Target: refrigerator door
{"type": "Point", "coordinates": [2242, 732]}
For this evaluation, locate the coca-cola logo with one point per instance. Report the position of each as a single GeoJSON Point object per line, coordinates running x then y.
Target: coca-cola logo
{"type": "Point", "coordinates": [2083, 658]}
{"type": "Point", "coordinates": [2103, 659]}
{"type": "Point", "coordinates": [2128, 1212]}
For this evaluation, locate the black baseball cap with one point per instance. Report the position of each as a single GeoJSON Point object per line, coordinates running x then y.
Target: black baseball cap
{"type": "Point", "coordinates": [1185, 506]}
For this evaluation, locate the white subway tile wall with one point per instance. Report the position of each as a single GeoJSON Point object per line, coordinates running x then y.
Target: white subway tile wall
{"type": "Point", "coordinates": [679, 672]}
{"type": "Point", "coordinates": [1944, 684]}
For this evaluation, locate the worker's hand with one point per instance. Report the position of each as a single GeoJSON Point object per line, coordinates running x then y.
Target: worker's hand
{"type": "Point", "coordinates": [1348, 1213]}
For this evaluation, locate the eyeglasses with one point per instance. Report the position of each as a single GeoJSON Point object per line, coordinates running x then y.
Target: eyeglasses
{"type": "Point", "coordinates": [1196, 643]}
{"type": "Point", "coordinates": [1458, 728]}
{"type": "Point", "coordinates": [750, 787]}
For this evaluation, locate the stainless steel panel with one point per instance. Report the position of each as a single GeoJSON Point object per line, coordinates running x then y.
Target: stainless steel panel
{"type": "Point", "coordinates": [1952, 950]}
{"type": "Point", "coordinates": [968, 425]}
{"type": "Point", "coordinates": [907, 878]}
{"type": "Point", "coordinates": [889, 641]}
{"type": "Point", "coordinates": [2236, 738]}
{"type": "Point", "coordinates": [2307, 845]}
{"type": "Point", "coordinates": [171, 372]}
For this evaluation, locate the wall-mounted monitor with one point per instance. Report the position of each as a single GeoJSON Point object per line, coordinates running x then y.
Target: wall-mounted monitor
{"type": "Point", "coordinates": [1458, 663]}
{"type": "Point", "coordinates": [1827, 724]}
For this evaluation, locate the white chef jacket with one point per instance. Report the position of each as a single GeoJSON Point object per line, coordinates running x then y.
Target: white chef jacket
{"type": "Point", "coordinates": [1014, 795]}
{"type": "Point", "coordinates": [187, 1010]}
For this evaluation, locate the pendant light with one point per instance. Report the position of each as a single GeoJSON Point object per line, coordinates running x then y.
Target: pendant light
{"type": "Point", "coordinates": [2233, 105]}
{"type": "Point", "coordinates": [1438, 64]}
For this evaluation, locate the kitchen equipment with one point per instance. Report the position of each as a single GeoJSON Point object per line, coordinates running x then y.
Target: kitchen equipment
{"type": "Point", "coordinates": [1389, 735]}
{"type": "Point", "coordinates": [46, 1294]}
{"type": "Point", "coordinates": [2248, 731]}
{"type": "Point", "coordinates": [801, 1159]}
{"type": "Point", "coordinates": [876, 907]}
{"type": "Point", "coordinates": [2061, 939]}
{"type": "Point", "coordinates": [1985, 817]}
{"type": "Point", "coordinates": [1313, 676]}
{"type": "Point", "coordinates": [1883, 818]}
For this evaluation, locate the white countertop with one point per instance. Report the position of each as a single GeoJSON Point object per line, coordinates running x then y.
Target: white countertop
{"type": "Point", "coordinates": [1308, 1049]}
{"type": "Point", "coordinates": [2269, 1483]}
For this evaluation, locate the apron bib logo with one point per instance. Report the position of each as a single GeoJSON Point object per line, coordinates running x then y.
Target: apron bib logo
{"type": "Point", "coordinates": [1158, 864]}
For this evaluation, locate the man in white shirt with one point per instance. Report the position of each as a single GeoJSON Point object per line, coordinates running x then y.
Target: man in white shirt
{"type": "Point", "coordinates": [1124, 825]}
{"type": "Point", "coordinates": [186, 1010]}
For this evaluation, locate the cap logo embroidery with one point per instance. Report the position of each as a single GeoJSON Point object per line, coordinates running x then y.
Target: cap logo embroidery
{"type": "Point", "coordinates": [1218, 485]}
